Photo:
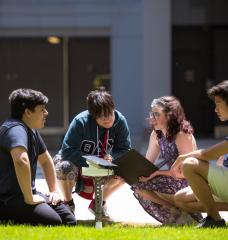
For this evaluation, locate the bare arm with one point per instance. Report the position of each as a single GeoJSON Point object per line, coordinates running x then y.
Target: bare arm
{"type": "Point", "coordinates": [151, 154]}
{"type": "Point", "coordinates": [47, 165]}
{"type": "Point", "coordinates": [153, 149]}
{"type": "Point", "coordinates": [207, 154]}
{"type": "Point", "coordinates": [22, 169]}
{"type": "Point", "coordinates": [154, 174]}
{"type": "Point", "coordinates": [213, 152]}
{"type": "Point", "coordinates": [185, 143]}
{"type": "Point", "coordinates": [220, 161]}
{"type": "Point", "coordinates": [48, 169]}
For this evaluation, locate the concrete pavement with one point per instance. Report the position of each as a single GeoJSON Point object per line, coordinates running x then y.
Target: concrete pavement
{"type": "Point", "coordinates": [122, 205]}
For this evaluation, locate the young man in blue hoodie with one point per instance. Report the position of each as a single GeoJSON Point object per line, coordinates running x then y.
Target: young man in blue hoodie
{"type": "Point", "coordinates": [101, 131]}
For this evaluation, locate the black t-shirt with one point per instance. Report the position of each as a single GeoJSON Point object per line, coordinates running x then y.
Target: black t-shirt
{"type": "Point", "coordinates": [14, 133]}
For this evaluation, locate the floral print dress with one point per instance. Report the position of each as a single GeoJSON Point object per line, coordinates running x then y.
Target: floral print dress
{"type": "Point", "coordinates": [161, 183]}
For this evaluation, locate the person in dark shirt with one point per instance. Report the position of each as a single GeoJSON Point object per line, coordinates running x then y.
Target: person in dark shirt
{"type": "Point", "coordinates": [21, 147]}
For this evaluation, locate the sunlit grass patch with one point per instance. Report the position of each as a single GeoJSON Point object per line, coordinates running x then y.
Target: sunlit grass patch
{"type": "Point", "coordinates": [87, 231]}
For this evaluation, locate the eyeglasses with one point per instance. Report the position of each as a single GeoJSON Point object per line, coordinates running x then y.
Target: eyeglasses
{"type": "Point", "coordinates": [154, 114]}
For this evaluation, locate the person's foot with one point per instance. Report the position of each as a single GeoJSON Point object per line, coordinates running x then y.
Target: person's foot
{"type": "Point", "coordinates": [174, 214]}
{"type": "Point", "coordinates": [209, 222]}
{"type": "Point", "coordinates": [198, 217]}
{"type": "Point", "coordinates": [105, 215]}
{"type": "Point", "coordinates": [185, 219]}
{"type": "Point", "coordinates": [70, 205]}
{"type": "Point", "coordinates": [178, 217]}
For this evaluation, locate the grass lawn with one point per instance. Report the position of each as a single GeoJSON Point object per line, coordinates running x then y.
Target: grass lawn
{"type": "Point", "coordinates": [110, 232]}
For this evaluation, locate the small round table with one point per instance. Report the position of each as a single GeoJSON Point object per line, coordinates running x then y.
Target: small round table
{"type": "Point", "coordinates": [97, 173]}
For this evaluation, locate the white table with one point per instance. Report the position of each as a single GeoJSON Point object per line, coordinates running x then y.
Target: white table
{"type": "Point", "coordinates": [97, 173]}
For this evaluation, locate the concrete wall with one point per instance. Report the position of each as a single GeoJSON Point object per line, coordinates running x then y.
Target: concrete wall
{"type": "Point", "coordinates": [140, 42]}
{"type": "Point", "coordinates": [156, 42]}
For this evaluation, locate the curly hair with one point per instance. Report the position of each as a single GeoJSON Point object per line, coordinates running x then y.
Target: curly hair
{"type": "Point", "coordinates": [176, 120]}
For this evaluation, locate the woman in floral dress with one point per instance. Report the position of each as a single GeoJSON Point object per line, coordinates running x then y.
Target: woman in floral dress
{"type": "Point", "coordinates": [171, 136]}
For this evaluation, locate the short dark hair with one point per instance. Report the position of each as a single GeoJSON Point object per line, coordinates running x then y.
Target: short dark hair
{"type": "Point", "coordinates": [100, 103]}
{"type": "Point", "coordinates": [23, 98]}
{"type": "Point", "coordinates": [220, 90]}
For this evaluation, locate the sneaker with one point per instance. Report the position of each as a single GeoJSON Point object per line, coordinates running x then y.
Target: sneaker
{"type": "Point", "coordinates": [198, 217]}
{"type": "Point", "coordinates": [70, 205]}
{"type": "Point", "coordinates": [105, 215]}
{"type": "Point", "coordinates": [209, 222]}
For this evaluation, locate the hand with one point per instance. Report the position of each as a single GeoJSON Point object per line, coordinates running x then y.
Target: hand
{"type": "Point", "coordinates": [145, 179]}
{"type": "Point", "coordinates": [108, 157]}
{"type": "Point", "coordinates": [179, 172]}
{"type": "Point", "coordinates": [178, 162]}
{"type": "Point", "coordinates": [36, 199]}
{"type": "Point", "coordinates": [54, 198]}
{"type": "Point", "coordinates": [173, 173]}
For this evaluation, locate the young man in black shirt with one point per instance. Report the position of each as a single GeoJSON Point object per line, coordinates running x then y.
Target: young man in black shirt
{"type": "Point", "coordinates": [21, 147]}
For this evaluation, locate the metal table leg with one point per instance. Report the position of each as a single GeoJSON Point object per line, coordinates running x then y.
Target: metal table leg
{"type": "Point", "coordinates": [98, 202]}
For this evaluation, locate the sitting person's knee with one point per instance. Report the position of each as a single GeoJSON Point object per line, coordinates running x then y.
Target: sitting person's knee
{"type": "Point", "coordinates": [119, 180]}
{"type": "Point", "coordinates": [66, 170]}
{"type": "Point", "coordinates": [114, 180]}
{"type": "Point", "coordinates": [189, 164]}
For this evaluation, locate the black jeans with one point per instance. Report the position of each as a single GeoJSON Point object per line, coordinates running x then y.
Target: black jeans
{"type": "Point", "coordinates": [18, 212]}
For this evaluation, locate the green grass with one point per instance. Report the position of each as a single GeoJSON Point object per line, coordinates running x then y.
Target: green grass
{"type": "Point", "coordinates": [110, 232]}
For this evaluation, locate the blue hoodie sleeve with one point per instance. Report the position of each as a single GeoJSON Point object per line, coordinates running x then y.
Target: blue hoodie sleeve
{"type": "Point", "coordinates": [122, 142]}
{"type": "Point", "coordinates": [71, 147]}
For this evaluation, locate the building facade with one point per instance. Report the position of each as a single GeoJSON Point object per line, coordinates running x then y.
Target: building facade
{"type": "Point", "coordinates": [138, 49]}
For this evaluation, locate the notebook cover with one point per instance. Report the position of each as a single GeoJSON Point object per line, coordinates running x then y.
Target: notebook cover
{"type": "Point", "coordinates": [133, 165]}
{"type": "Point", "coordinates": [100, 162]}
